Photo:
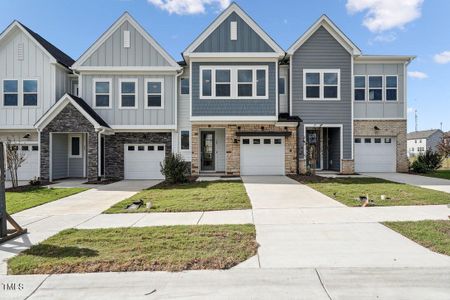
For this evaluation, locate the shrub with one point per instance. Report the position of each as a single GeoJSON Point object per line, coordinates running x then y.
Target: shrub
{"type": "Point", "coordinates": [175, 169]}
{"type": "Point", "coordinates": [35, 182]}
{"type": "Point", "coordinates": [427, 162]}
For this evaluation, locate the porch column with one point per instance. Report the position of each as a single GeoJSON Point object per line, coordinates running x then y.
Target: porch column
{"type": "Point", "coordinates": [93, 141]}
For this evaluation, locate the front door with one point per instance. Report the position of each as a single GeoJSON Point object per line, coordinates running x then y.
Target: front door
{"type": "Point", "coordinates": [207, 151]}
{"type": "Point", "coordinates": [313, 148]}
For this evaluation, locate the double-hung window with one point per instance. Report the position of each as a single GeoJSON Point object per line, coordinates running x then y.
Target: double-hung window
{"type": "Point", "coordinates": [391, 88]}
{"type": "Point", "coordinates": [10, 92]}
{"type": "Point", "coordinates": [360, 88]}
{"type": "Point", "coordinates": [128, 93]}
{"type": "Point", "coordinates": [223, 83]}
{"type": "Point", "coordinates": [321, 85]}
{"type": "Point", "coordinates": [154, 89]}
{"type": "Point", "coordinates": [245, 83]}
{"type": "Point", "coordinates": [30, 92]}
{"type": "Point", "coordinates": [375, 88]}
{"type": "Point", "coordinates": [102, 93]}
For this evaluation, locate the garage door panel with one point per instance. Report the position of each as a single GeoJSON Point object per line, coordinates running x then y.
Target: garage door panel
{"type": "Point", "coordinates": [30, 167]}
{"type": "Point", "coordinates": [262, 159]}
{"type": "Point", "coordinates": [371, 156]}
{"type": "Point", "coordinates": [142, 161]}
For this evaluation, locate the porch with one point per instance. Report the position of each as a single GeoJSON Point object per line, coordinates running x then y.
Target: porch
{"type": "Point", "coordinates": [323, 147]}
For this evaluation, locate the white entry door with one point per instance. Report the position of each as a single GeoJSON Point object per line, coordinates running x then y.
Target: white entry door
{"type": "Point", "coordinates": [142, 161]}
{"type": "Point", "coordinates": [375, 154]}
{"type": "Point", "coordinates": [30, 167]}
{"type": "Point", "coordinates": [262, 156]}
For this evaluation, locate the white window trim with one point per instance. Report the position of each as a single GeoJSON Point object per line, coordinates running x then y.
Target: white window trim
{"type": "Point", "coordinates": [285, 85]}
{"type": "Point", "coordinates": [136, 92]}
{"type": "Point", "coordinates": [382, 88]}
{"type": "Point", "coordinates": [147, 80]}
{"type": "Point", "coordinates": [189, 86]}
{"type": "Point", "coordinates": [80, 146]}
{"type": "Point", "coordinates": [24, 93]}
{"type": "Point", "coordinates": [233, 82]}
{"type": "Point", "coordinates": [3, 93]}
{"type": "Point", "coordinates": [366, 83]}
{"type": "Point", "coordinates": [390, 88]}
{"type": "Point", "coordinates": [322, 84]}
{"type": "Point", "coordinates": [189, 140]}
{"type": "Point", "coordinates": [94, 93]}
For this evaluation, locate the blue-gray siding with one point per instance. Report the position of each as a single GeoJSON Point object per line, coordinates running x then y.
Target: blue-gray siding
{"type": "Point", "coordinates": [59, 156]}
{"type": "Point", "coordinates": [233, 107]}
{"type": "Point", "coordinates": [247, 39]}
{"type": "Point", "coordinates": [322, 51]}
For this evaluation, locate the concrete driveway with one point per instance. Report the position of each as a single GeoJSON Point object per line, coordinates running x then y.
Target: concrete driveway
{"type": "Point", "coordinates": [437, 184]}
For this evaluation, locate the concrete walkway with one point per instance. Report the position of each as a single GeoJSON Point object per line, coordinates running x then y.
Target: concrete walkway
{"type": "Point", "coordinates": [437, 184]}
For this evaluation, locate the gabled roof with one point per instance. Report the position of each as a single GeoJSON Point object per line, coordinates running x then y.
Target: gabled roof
{"type": "Point", "coordinates": [423, 134]}
{"type": "Point", "coordinates": [80, 105]}
{"type": "Point", "coordinates": [242, 14]}
{"type": "Point", "coordinates": [126, 17]}
{"type": "Point", "coordinates": [332, 29]}
{"type": "Point", "coordinates": [51, 50]}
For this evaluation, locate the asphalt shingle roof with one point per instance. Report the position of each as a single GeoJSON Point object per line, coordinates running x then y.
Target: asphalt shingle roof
{"type": "Point", "coordinates": [89, 110]}
{"type": "Point", "coordinates": [423, 134]}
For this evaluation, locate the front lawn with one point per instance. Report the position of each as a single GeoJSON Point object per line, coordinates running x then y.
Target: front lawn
{"type": "Point", "coordinates": [194, 196]}
{"type": "Point", "coordinates": [347, 191]}
{"type": "Point", "coordinates": [23, 199]}
{"type": "Point", "coordinates": [444, 174]}
{"type": "Point", "coordinates": [435, 235]}
{"type": "Point", "coordinates": [165, 248]}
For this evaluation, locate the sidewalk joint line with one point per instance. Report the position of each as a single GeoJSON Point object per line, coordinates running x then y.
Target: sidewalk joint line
{"type": "Point", "coordinates": [40, 284]}
{"type": "Point", "coordinates": [323, 285]}
{"type": "Point", "coordinates": [87, 220]}
{"type": "Point", "coordinates": [198, 221]}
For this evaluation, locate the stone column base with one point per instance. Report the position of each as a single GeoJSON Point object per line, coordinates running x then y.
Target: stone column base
{"type": "Point", "coordinates": [347, 166]}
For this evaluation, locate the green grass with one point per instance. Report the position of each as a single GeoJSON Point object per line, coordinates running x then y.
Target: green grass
{"type": "Point", "coordinates": [21, 200]}
{"type": "Point", "coordinates": [444, 174]}
{"type": "Point", "coordinates": [435, 235]}
{"type": "Point", "coordinates": [165, 248]}
{"type": "Point", "coordinates": [195, 196]}
{"type": "Point", "coordinates": [348, 190]}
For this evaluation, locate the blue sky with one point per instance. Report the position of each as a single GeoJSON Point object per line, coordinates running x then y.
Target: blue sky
{"type": "Point", "coordinates": [412, 27]}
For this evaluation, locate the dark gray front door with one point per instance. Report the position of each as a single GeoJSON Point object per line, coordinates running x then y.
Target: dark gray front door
{"type": "Point", "coordinates": [207, 151]}
{"type": "Point", "coordinates": [313, 146]}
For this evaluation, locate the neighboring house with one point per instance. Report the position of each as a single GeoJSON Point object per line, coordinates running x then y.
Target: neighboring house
{"type": "Point", "coordinates": [421, 141]}
{"type": "Point", "coordinates": [238, 104]}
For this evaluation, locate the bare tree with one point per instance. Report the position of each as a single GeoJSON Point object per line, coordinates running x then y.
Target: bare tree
{"type": "Point", "coordinates": [444, 146]}
{"type": "Point", "coordinates": [14, 160]}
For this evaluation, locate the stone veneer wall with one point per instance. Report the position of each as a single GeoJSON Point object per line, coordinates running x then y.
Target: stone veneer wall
{"type": "Point", "coordinates": [347, 166]}
{"type": "Point", "coordinates": [387, 128]}
{"type": "Point", "coordinates": [115, 149]}
{"type": "Point", "coordinates": [232, 149]}
{"type": "Point", "coordinates": [69, 120]}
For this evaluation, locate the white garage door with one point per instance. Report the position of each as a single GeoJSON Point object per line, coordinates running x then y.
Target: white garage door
{"type": "Point", "coordinates": [262, 156]}
{"type": "Point", "coordinates": [29, 169]}
{"type": "Point", "coordinates": [142, 161]}
{"type": "Point", "coordinates": [375, 154]}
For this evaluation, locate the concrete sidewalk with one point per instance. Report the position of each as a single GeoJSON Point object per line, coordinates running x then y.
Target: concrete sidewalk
{"type": "Point", "coordinates": [437, 184]}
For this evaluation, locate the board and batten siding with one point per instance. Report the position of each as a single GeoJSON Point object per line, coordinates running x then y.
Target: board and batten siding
{"type": "Point", "coordinates": [233, 107]}
{"type": "Point", "coordinates": [322, 51]}
{"type": "Point", "coordinates": [247, 39]}
{"type": "Point", "coordinates": [381, 109]}
{"type": "Point", "coordinates": [60, 155]}
{"type": "Point", "coordinates": [112, 52]}
{"type": "Point", "coordinates": [139, 116]}
{"type": "Point", "coordinates": [184, 122]}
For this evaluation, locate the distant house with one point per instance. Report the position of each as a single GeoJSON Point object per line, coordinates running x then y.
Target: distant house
{"type": "Point", "coordinates": [420, 141]}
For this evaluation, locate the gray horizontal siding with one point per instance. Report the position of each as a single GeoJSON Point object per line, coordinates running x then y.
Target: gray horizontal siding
{"type": "Point", "coordinates": [233, 107]}
{"type": "Point", "coordinates": [247, 39]}
{"type": "Point", "coordinates": [59, 156]}
{"type": "Point", "coordinates": [322, 51]}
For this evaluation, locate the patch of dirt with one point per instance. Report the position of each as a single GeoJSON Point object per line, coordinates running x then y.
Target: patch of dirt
{"type": "Point", "coordinates": [308, 178]}
{"type": "Point", "coordinates": [23, 188]}
{"type": "Point", "coordinates": [103, 181]}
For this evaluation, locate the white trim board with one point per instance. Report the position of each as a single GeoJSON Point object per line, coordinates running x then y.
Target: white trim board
{"type": "Point", "coordinates": [232, 119]}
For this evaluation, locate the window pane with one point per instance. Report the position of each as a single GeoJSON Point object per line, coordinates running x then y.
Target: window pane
{"type": "Point", "coordinates": [128, 100]}
{"type": "Point", "coordinates": [312, 92]}
{"type": "Point", "coordinates": [391, 81]}
{"type": "Point", "coordinates": [75, 146]}
{"type": "Point", "coordinates": [367, 141]}
{"type": "Point", "coordinates": [154, 87]}
{"type": "Point", "coordinates": [330, 78]}
{"type": "Point", "coordinates": [141, 148]}
{"type": "Point", "coordinates": [154, 100]}
{"type": "Point", "coordinates": [151, 148]}
{"type": "Point", "coordinates": [312, 78]}
{"type": "Point", "coordinates": [10, 99]}
{"type": "Point", "coordinates": [245, 141]}
{"type": "Point", "coordinates": [357, 140]}
{"type": "Point", "coordinates": [223, 76]}
{"type": "Point", "coordinates": [375, 81]}
{"type": "Point", "coordinates": [130, 148]}
{"type": "Point", "coordinates": [184, 140]}
{"type": "Point", "coordinates": [30, 86]}
{"type": "Point", "coordinates": [245, 90]}
{"type": "Point", "coordinates": [360, 95]}
{"type": "Point", "coordinates": [330, 92]}
{"type": "Point", "coordinates": [102, 87]}
{"type": "Point", "coordinates": [256, 141]}
{"type": "Point", "coordinates": [102, 100]}
{"type": "Point", "coordinates": [184, 83]}
{"type": "Point", "coordinates": [245, 75]}
{"type": "Point", "coordinates": [128, 87]}
{"type": "Point", "coordinates": [10, 86]}
{"type": "Point", "coordinates": [360, 81]}
{"type": "Point", "coordinates": [375, 94]}
{"type": "Point", "coordinates": [391, 94]}
{"type": "Point", "coordinates": [160, 148]}
{"type": "Point", "coordinates": [388, 141]}
{"type": "Point", "coordinates": [377, 141]}
{"type": "Point", "coordinates": [261, 82]}
{"type": "Point", "coordinates": [222, 90]}
{"type": "Point", "coordinates": [281, 86]}
{"type": "Point", "coordinates": [277, 141]}
{"type": "Point", "coordinates": [206, 77]}
{"type": "Point", "coordinates": [30, 99]}
{"type": "Point", "coordinates": [35, 148]}
{"type": "Point", "coordinates": [267, 141]}
{"type": "Point", "coordinates": [24, 148]}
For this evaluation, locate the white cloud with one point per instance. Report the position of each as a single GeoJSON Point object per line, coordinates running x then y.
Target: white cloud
{"type": "Point", "coordinates": [417, 74]}
{"type": "Point", "coordinates": [442, 58]}
{"type": "Point", "coordinates": [384, 15]}
{"type": "Point", "coordinates": [385, 38]}
{"type": "Point", "coordinates": [188, 7]}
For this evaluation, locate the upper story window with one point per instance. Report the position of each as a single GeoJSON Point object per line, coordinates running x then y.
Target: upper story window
{"type": "Point", "coordinates": [360, 88]}
{"type": "Point", "coordinates": [375, 88]}
{"type": "Point", "coordinates": [10, 92]}
{"type": "Point", "coordinates": [321, 84]}
{"type": "Point", "coordinates": [30, 92]}
{"type": "Point", "coordinates": [234, 82]}
{"type": "Point", "coordinates": [102, 93]}
{"type": "Point", "coordinates": [391, 88]}
{"type": "Point", "coordinates": [184, 86]}
{"type": "Point", "coordinates": [154, 89]}
{"type": "Point", "coordinates": [128, 93]}
{"type": "Point", "coordinates": [281, 86]}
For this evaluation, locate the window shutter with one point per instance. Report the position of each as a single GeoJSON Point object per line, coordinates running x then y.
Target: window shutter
{"type": "Point", "coordinates": [126, 39]}
{"type": "Point", "coordinates": [233, 31]}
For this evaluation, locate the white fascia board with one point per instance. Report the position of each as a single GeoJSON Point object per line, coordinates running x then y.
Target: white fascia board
{"type": "Point", "coordinates": [16, 128]}
{"type": "Point", "coordinates": [143, 127]}
{"type": "Point", "coordinates": [125, 17]}
{"type": "Point", "coordinates": [233, 8]}
{"type": "Point", "coordinates": [234, 59]}
{"type": "Point", "coordinates": [234, 119]}
{"type": "Point", "coordinates": [128, 69]}
{"type": "Point", "coordinates": [379, 59]}
{"type": "Point", "coordinates": [332, 29]}
{"type": "Point", "coordinates": [235, 55]}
